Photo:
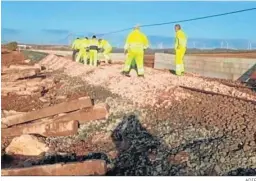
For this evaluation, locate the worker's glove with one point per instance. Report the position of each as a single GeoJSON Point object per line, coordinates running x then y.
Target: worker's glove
{"type": "Point", "coordinates": [125, 51]}
{"type": "Point", "coordinates": [87, 49]}
{"type": "Point", "coordinates": [102, 50]}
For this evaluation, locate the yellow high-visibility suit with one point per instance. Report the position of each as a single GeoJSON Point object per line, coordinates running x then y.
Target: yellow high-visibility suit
{"type": "Point", "coordinates": [83, 54]}
{"type": "Point", "coordinates": [135, 44]}
{"type": "Point", "coordinates": [105, 45]}
{"type": "Point", "coordinates": [75, 47]}
{"type": "Point", "coordinates": [93, 51]}
{"type": "Point", "coordinates": [180, 50]}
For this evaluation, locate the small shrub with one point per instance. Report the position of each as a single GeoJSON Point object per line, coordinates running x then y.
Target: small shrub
{"type": "Point", "coordinates": [12, 46]}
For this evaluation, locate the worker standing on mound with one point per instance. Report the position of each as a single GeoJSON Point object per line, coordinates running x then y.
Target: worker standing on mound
{"type": "Point", "coordinates": [180, 49]}
{"type": "Point", "coordinates": [93, 51]}
{"type": "Point", "coordinates": [105, 48]}
{"type": "Point", "coordinates": [135, 45]}
{"type": "Point", "coordinates": [83, 53]}
{"type": "Point", "coordinates": [75, 48]}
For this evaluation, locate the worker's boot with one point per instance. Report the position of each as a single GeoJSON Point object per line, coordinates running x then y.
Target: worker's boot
{"type": "Point", "coordinates": [125, 73]}
{"type": "Point", "coordinates": [109, 61]}
{"type": "Point", "coordinates": [141, 76]}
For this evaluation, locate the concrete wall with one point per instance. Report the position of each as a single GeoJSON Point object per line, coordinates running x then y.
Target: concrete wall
{"type": "Point", "coordinates": [216, 67]}
{"type": "Point", "coordinates": [227, 68]}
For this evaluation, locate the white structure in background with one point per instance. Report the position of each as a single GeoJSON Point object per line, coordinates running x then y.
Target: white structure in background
{"type": "Point", "coordinates": [160, 46]}
{"type": "Point", "coordinates": [222, 44]}
{"type": "Point", "coordinates": [194, 44]}
{"type": "Point", "coordinates": [23, 47]}
{"type": "Point", "coordinates": [249, 45]}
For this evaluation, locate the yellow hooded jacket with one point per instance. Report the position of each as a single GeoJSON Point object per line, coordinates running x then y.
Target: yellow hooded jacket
{"type": "Point", "coordinates": [180, 39]}
{"type": "Point", "coordinates": [105, 45]}
{"type": "Point", "coordinates": [84, 43]}
{"type": "Point", "coordinates": [136, 41]}
{"type": "Point", "coordinates": [75, 44]}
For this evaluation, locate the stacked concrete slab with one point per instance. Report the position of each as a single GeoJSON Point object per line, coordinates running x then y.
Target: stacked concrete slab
{"type": "Point", "coordinates": [215, 67]}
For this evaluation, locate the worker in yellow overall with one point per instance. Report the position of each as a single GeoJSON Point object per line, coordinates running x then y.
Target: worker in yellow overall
{"type": "Point", "coordinates": [75, 48]}
{"type": "Point", "coordinates": [135, 45]}
{"type": "Point", "coordinates": [105, 49]}
{"type": "Point", "coordinates": [93, 51]}
{"type": "Point", "coordinates": [82, 56]}
{"type": "Point", "coordinates": [180, 49]}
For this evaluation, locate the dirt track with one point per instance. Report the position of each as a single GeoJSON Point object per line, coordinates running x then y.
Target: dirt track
{"type": "Point", "coordinates": [156, 126]}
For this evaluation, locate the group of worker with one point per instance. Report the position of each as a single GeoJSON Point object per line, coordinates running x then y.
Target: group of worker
{"type": "Point", "coordinates": [136, 43]}
{"type": "Point", "coordinates": [86, 50]}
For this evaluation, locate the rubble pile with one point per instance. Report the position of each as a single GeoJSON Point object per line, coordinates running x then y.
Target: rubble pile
{"type": "Point", "coordinates": [25, 129]}
{"type": "Point", "coordinates": [117, 125]}
{"type": "Point", "coordinates": [152, 87]}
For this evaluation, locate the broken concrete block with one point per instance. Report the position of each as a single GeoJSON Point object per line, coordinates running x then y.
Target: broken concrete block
{"type": "Point", "coordinates": [69, 106]}
{"type": "Point", "coordinates": [27, 145]}
{"type": "Point", "coordinates": [90, 167]}
{"type": "Point", "coordinates": [10, 89]}
{"type": "Point", "coordinates": [3, 126]}
{"type": "Point", "coordinates": [83, 116]}
{"type": "Point", "coordinates": [43, 99]}
{"type": "Point", "coordinates": [27, 60]}
{"type": "Point", "coordinates": [65, 128]}
{"type": "Point", "coordinates": [23, 93]}
{"type": "Point", "coordinates": [61, 97]}
{"type": "Point", "coordinates": [33, 89]}
{"type": "Point", "coordinates": [44, 128]}
{"type": "Point", "coordinates": [6, 113]}
{"type": "Point", "coordinates": [20, 67]}
{"type": "Point", "coordinates": [19, 75]}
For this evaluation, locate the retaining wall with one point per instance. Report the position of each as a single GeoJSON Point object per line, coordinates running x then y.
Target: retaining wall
{"type": "Point", "coordinates": [215, 67]}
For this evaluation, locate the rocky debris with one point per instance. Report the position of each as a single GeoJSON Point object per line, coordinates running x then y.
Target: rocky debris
{"type": "Point", "coordinates": [27, 61]}
{"type": "Point", "coordinates": [207, 130]}
{"type": "Point", "coordinates": [3, 126]}
{"type": "Point", "coordinates": [6, 113]}
{"type": "Point", "coordinates": [23, 80]}
{"type": "Point", "coordinates": [90, 167]}
{"type": "Point", "coordinates": [35, 67]}
{"type": "Point", "coordinates": [61, 97]}
{"type": "Point", "coordinates": [27, 145]}
{"type": "Point", "coordinates": [152, 86]}
{"type": "Point", "coordinates": [104, 138]}
{"type": "Point", "coordinates": [48, 111]}
{"type": "Point", "coordinates": [18, 75]}
{"type": "Point", "coordinates": [179, 158]}
{"type": "Point", "coordinates": [43, 100]}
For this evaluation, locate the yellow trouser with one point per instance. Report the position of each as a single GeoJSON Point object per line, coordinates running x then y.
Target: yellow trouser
{"type": "Point", "coordinates": [93, 57]}
{"type": "Point", "coordinates": [138, 56]}
{"type": "Point", "coordinates": [79, 55]}
{"type": "Point", "coordinates": [85, 56]}
{"type": "Point", "coordinates": [106, 54]}
{"type": "Point", "coordinates": [179, 60]}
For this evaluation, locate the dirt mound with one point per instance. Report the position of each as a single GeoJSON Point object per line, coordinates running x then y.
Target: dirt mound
{"type": "Point", "coordinates": [11, 58]}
